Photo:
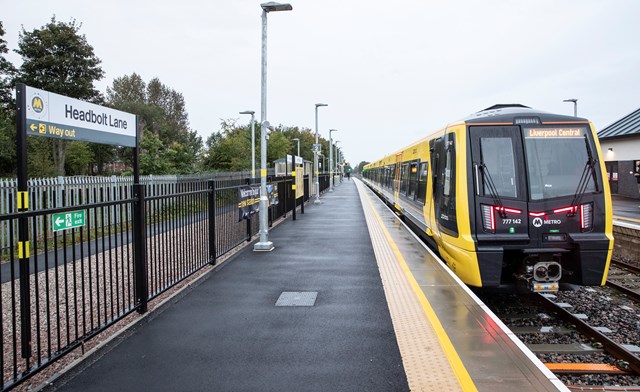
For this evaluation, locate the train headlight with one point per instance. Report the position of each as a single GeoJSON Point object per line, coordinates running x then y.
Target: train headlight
{"type": "Point", "coordinates": [586, 216]}
{"type": "Point", "coordinates": [488, 218]}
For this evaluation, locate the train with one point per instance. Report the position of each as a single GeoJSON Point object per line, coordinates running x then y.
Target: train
{"type": "Point", "coordinates": [510, 197]}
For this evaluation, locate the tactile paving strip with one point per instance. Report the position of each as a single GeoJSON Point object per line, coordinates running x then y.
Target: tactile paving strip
{"type": "Point", "coordinates": [425, 362]}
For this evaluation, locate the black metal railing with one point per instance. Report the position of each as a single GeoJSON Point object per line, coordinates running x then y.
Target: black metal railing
{"type": "Point", "coordinates": [136, 242]}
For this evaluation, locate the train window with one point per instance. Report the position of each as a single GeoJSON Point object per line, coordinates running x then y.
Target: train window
{"type": "Point", "coordinates": [422, 182]}
{"type": "Point", "coordinates": [498, 159]}
{"type": "Point", "coordinates": [556, 160]}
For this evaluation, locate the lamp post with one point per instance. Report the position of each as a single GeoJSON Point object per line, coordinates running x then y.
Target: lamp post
{"type": "Point", "coordinates": [335, 166]}
{"type": "Point", "coordinates": [324, 163]}
{"type": "Point", "coordinates": [575, 105]}
{"type": "Point", "coordinates": [331, 159]}
{"type": "Point", "coordinates": [298, 140]}
{"type": "Point", "coordinates": [264, 244]}
{"type": "Point", "coordinates": [315, 157]}
{"type": "Point", "coordinates": [253, 142]}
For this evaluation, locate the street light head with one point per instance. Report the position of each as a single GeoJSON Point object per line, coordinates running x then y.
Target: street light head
{"type": "Point", "coordinates": [251, 112]}
{"type": "Point", "coordinates": [574, 100]}
{"type": "Point", "coordinates": [333, 130]}
{"type": "Point", "coordinates": [267, 125]}
{"type": "Point", "coordinates": [321, 104]}
{"type": "Point", "coordinates": [295, 138]}
{"type": "Point", "coordinates": [272, 6]}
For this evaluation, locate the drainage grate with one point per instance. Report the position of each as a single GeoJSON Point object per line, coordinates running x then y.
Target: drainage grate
{"type": "Point", "coordinates": [297, 298]}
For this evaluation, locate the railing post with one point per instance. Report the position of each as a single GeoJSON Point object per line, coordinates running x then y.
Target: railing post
{"type": "Point", "coordinates": [293, 184]}
{"type": "Point", "coordinates": [248, 182]}
{"type": "Point", "coordinates": [212, 222]}
{"type": "Point", "coordinates": [139, 248]}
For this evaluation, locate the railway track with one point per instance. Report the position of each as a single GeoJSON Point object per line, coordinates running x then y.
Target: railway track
{"type": "Point", "coordinates": [617, 350]}
{"type": "Point", "coordinates": [624, 277]}
{"type": "Point", "coordinates": [577, 347]}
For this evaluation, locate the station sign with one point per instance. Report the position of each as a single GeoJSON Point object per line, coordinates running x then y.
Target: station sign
{"type": "Point", "coordinates": [298, 159]}
{"type": "Point", "coordinates": [316, 147]}
{"type": "Point", "coordinates": [68, 220]}
{"type": "Point", "coordinates": [59, 117]}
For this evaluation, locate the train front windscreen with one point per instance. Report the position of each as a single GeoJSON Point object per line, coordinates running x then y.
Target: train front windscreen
{"type": "Point", "coordinates": [556, 160]}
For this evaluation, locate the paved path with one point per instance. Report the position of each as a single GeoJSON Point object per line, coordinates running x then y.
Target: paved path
{"type": "Point", "coordinates": [228, 335]}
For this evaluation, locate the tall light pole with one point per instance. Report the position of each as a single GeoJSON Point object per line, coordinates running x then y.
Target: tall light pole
{"type": "Point", "coordinates": [315, 157]}
{"type": "Point", "coordinates": [331, 159]}
{"type": "Point", "coordinates": [253, 142]}
{"type": "Point", "coordinates": [264, 244]}
{"type": "Point", "coordinates": [575, 105]}
{"type": "Point", "coordinates": [336, 153]}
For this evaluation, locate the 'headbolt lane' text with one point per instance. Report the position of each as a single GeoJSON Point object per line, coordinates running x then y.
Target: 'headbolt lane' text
{"type": "Point", "coordinates": [91, 117]}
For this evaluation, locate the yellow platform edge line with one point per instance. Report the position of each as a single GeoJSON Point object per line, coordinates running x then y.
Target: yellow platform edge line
{"type": "Point", "coordinates": [626, 218]}
{"type": "Point", "coordinates": [466, 383]}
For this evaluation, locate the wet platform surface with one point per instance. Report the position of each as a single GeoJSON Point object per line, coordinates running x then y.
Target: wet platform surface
{"type": "Point", "coordinates": [227, 334]}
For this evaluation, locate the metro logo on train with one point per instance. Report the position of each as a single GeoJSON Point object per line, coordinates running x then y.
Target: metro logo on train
{"type": "Point", "coordinates": [510, 196]}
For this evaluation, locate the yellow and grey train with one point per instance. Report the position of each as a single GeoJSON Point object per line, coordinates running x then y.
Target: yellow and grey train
{"type": "Point", "coordinates": [508, 195]}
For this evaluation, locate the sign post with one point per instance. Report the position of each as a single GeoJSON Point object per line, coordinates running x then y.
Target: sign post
{"type": "Point", "coordinates": [43, 113]}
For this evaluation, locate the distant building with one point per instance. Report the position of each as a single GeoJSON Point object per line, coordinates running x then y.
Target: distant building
{"type": "Point", "coordinates": [620, 143]}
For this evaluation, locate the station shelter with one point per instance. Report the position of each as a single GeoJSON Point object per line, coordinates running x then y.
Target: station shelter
{"type": "Point", "coordinates": [620, 144]}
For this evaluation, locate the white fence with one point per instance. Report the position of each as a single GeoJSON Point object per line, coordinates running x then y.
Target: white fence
{"type": "Point", "coordinates": [54, 192]}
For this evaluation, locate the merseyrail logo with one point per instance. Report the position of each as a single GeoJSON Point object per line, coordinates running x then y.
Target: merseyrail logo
{"type": "Point", "coordinates": [37, 104]}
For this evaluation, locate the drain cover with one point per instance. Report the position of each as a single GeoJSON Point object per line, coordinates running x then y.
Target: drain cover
{"type": "Point", "coordinates": [297, 298]}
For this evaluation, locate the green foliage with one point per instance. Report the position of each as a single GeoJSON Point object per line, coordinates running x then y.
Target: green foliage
{"type": "Point", "coordinates": [230, 148]}
{"type": "Point", "coordinates": [7, 72]}
{"type": "Point", "coordinates": [40, 161]}
{"type": "Point", "coordinates": [79, 156]}
{"type": "Point", "coordinates": [153, 160]}
{"type": "Point", "coordinates": [361, 166]}
{"type": "Point", "coordinates": [7, 144]}
{"type": "Point", "coordinates": [57, 58]}
{"type": "Point", "coordinates": [164, 119]}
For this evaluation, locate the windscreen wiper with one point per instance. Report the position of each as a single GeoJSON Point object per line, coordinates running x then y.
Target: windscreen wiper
{"type": "Point", "coordinates": [588, 172]}
{"type": "Point", "coordinates": [493, 192]}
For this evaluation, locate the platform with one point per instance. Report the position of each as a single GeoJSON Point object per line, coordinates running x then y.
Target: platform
{"type": "Point", "coordinates": [348, 300]}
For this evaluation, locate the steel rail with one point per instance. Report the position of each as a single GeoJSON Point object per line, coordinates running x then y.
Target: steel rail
{"type": "Point", "coordinates": [632, 294]}
{"type": "Point", "coordinates": [609, 345]}
{"type": "Point", "coordinates": [629, 267]}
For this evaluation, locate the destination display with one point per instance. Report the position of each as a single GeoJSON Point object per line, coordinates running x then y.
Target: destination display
{"type": "Point", "coordinates": [554, 132]}
{"type": "Point", "coordinates": [56, 116]}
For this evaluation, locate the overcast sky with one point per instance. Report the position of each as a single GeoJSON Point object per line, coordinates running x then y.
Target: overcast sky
{"type": "Point", "coordinates": [391, 71]}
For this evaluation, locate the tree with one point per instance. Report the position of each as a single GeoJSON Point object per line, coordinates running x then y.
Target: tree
{"type": "Point", "coordinates": [7, 114]}
{"type": "Point", "coordinates": [78, 158]}
{"type": "Point", "coordinates": [57, 58]}
{"type": "Point", "coordinates": [361, 166]}
{"type": "Point", "coordinates": [7, 72]}
{"type": "Point", "coordinates": [164, 120]}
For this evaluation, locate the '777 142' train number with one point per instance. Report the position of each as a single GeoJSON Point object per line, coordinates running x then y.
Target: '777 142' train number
{"type": "Point", "coordinates": [510, 221]}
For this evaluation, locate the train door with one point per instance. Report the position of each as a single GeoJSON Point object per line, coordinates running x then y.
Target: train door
{"type": "Point", "coordinates": [397, 175]}
{"type": "Point", "coordinates": [499, 182]}
{"type": "Point", "coordinates": [444, 183]}
{"type": "Point", "coordinates": [413, 179]}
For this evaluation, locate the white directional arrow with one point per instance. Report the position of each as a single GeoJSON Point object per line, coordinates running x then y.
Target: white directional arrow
{"type": "Point", "coordinates": [59, 221]}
